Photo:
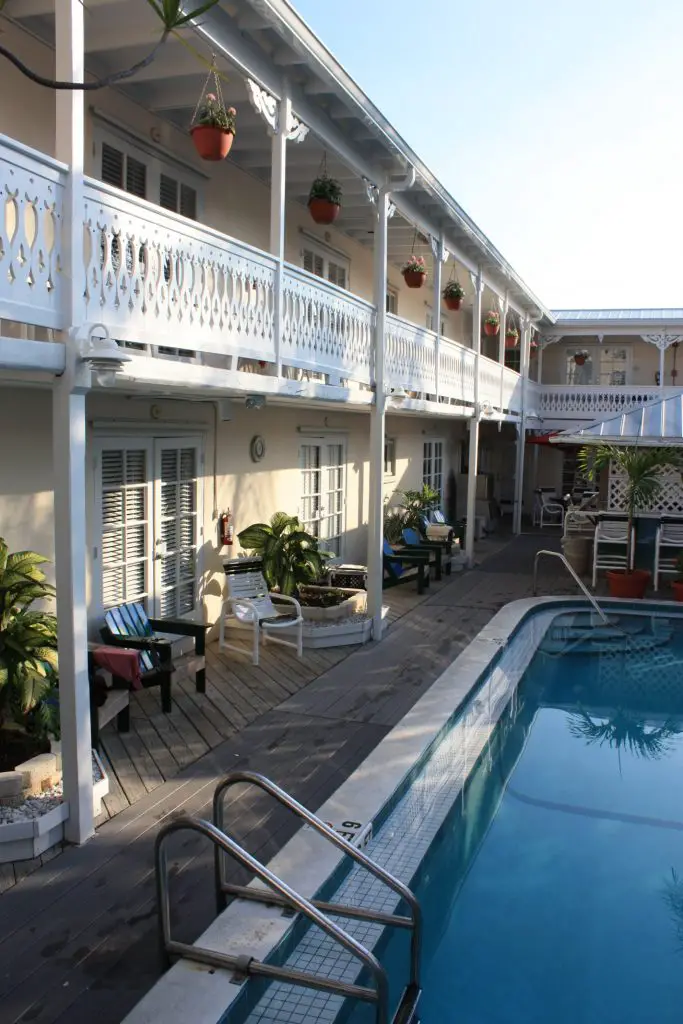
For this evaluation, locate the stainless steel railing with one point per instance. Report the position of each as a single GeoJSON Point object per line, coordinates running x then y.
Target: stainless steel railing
{"type": "Point", "coordinates": [582, 586]}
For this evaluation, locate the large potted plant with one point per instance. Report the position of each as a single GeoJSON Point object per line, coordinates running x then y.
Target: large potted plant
{"type": "Point", "coordinates": [28, 657]}
{"type": "Point", "coordinates": [414, 271]}
{"type": "Point", "coordinates": [324, 199]}
{"type": "Point", "coordinates": [214, 128]}
{"type": "Point", "coordinates": [289, 554]}
{"type": "Point", "coordinates": [642, 468]}
{"type": "Point", "coordinates": [453, 294]}
{"type": "Point", "coordinates": [492, 323]}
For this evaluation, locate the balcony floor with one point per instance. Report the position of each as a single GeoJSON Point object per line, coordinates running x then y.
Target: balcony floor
{"type": "Point", "coordinates": [78, 934]}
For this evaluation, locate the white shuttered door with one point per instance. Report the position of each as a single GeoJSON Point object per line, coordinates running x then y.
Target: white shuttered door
{"type": "Point", "coordinates": [148, 499]}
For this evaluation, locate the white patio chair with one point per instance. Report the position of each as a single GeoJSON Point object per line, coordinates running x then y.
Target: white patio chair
{"type": "Point", "coordinates": [609, 534]}
{"type": "Point", "coordinates": [668, 546]}
{"type": "Point", "coordinates": [249, 605]}
{"type": "Point", "coordinates": [547, 511]}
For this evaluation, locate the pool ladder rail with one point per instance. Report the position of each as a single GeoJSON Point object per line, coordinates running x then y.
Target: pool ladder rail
{"type": "Point", "coordinates": [586, 592]}
{"type": "Point", "coordinates": [281, 894]}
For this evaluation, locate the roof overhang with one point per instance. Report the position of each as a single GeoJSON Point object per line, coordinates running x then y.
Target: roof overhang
{"type": "Point", "coordinates": [653, 425]}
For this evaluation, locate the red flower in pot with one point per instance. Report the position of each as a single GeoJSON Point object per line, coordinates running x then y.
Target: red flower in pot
{"type": "Point", "coordinates": [492, 323]}
{"type": "Point", "coordinates": [453, 294]}
{"type": "Point", "coordinates": [214, 129]}
{"type": "Point", "coordinates": [511, 337]}
{"type": "Point", "coordinates": [580, 357]}
{"type": "Point", "coordinates": [414, 271]}
{"type": "Point", "coordinates": [324, 199]}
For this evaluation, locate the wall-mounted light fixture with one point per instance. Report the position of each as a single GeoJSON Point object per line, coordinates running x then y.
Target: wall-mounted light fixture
{"type": "Point", "coordinates": [104, 356]}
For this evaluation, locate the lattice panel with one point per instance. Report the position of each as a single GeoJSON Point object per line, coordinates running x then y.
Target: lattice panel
{"type": "Point", "coordinates": [670, 500]}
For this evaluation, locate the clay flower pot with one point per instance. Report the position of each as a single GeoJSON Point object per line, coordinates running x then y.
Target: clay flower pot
{"type": "Point", "coordinates": [211, 143]}
{"type": "Point", "coordinates": [323, 211]}
{"type": "Point", "coordinates": [453, 303]}
{"type": "Point", "coordinates": [628, 584]}
{"type": "Point", "coordinates": [414, 278]}
{"type": "Point", "coordinates": [491, 329]}
{"type": "Point", "coordinates": [579, 360]}
{"type": "Point", "coordinates": [511, 340]}
{"type": "Point", "coordinates": [677, 587]}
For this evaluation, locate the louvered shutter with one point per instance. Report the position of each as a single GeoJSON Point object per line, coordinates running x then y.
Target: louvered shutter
{"type": "Point", "coordinates": [336, 274]}
{"type": "Point", "coordinates": [125, 510]}
{"type": "Point", "coordinates": [177, 529]}
{"type": "Point", "coordinates": [313, 263]}
{"type": "Point", "coordinates": [136, 177]}
{"type": "Point", "coordinates": [188, 202]}
{"type": "Point", "coordinates": [112, 165]}
{"type": "Point", "coordinates": [168, 193]}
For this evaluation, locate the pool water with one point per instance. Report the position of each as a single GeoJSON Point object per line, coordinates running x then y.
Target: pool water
{"type": "Point", "coordinates": [554, 890]}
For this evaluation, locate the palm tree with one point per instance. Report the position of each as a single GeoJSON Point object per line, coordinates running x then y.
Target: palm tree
{"type": "Point", "coordinates": [642, 468]}
{"type": "Point", "coordinates": [623, 731]}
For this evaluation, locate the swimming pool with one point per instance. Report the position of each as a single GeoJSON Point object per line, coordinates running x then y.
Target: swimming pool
{"type": "Point", "coordinates": [543, 834]}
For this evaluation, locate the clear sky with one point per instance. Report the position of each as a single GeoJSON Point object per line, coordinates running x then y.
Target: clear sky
{"type": "Point", "coordinates": [557, 126]}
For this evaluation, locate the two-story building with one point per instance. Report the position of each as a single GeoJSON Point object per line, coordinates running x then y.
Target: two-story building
{"type": "Point", "coordinates": [179, 338]}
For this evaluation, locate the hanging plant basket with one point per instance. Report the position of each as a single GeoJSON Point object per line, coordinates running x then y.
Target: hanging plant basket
{"type": "Point", "coordinates": [453, 295]}
{"type": "Point", "coordinates": [492, 324]}
{"type": "Point", "coordinates": [453, 304]}
{"type": "Point", "coordinates": [511, 341]}
{"type": "Point", "coordinates": [324, 198]}
{"type": "Point", "coordinates": [213, 125]}
{"type": "Point", "coordinates": [414, 271]}
{"type": "Point", "coordinates": [580, 358]}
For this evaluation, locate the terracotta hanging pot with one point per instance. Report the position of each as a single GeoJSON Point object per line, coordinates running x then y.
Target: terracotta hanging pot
{"type": "Point", "coordinates": [414, 278]}
{"type": "Point", "coordinates": [579, 360]}
{"type": "Point", "coordinates": [628, 584]}
{"type": "Point", "coordinates": [453, 303]}
{"type": "Point", "coordinates": [677, 587]}
{"type": "Point", "coordinates": [491, 329]}
{"type": "Point", "coordinates": [511, 341]}
{"type": "Point", "coordinates": [323, 211]}
{"type": "Point", "coordinates": [211, 143]}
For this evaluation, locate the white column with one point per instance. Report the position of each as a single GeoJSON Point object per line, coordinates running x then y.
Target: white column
{"type": "Point", "coordinates": [438, 255]}
{"type": "Point", "coordinates": [68, 431]}
{"type": "Point", "coordinates": [278, 215]}
{"type": "Point", "coordinates": [521, 436]}
{"type": "Point", "coordinates": [662, 357]}
{"type": "Point", "coordinates": [478, 282]}
{"type": "Point", "coordinates": [504, 309]}
{"type": "Point", "coordinates": [377, 415]}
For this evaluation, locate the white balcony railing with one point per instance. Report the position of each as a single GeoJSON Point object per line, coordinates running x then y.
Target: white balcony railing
{"type": "Point", "coordinates": [157, 279]}
{"type": "Point", "coordinates": [588, 402]}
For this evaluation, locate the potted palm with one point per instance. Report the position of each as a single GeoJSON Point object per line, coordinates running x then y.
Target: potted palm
{"type": "Point", "coordinates": [511, 336]}
{"type": "Point", "coordinates": [642, 468]}
{"type": "Point", "coordinates": [324, 199]}
{"type": "Point", "coordinates": [453, 294]}
{"type": "Point", "coordinates": [492, 323]}
{"type": "Point", "coordinates": [414, 271]}
{"type": "Point", "coordinates": [214, 128]}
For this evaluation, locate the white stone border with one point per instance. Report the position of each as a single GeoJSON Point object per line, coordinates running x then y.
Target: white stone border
{"type": "Point", "coordinates": [192, 991]}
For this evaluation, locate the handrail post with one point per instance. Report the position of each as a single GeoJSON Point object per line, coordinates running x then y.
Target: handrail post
{"type": "Point", "coordinates": [581, 584]}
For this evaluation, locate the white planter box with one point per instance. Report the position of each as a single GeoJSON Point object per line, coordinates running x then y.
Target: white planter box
{"type": "Point", "coordinates": [355, 604]}
{"type": "Point", "coordinates": [337, 634]}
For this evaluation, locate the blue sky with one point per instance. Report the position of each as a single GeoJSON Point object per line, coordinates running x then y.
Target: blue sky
{"type": "Point", "coordinates": [557, 126]}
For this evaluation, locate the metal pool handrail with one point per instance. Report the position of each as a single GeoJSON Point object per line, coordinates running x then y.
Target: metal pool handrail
{"type": "Point", "coordinates": [580, 583]}
{"type": "Point", "coordinates": [248, 965]}
{"type": "Point", "coordinates": [414, 922]}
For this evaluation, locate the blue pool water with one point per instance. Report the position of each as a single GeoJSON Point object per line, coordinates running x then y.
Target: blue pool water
{"type": "Point", "coordinates": [554, 890]}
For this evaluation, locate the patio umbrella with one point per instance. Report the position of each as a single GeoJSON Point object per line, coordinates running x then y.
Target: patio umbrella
{"type": "Point", "coordinates": [654, 425]}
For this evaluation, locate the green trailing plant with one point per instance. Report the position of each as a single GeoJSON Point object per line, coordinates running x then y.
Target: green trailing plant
{"type": "Point", "coordinates": [28, 640]}
{"type": "Point", "coordinates": [492, 318]}
{"type": "Point", "coordinates": [642, 468]}
{"type": "Point", "coordinates": [325, 187]}
{"type": "Point", "coordinates": [289, 555]}
{"type": "Point", "coordinates": [172, 14]}
{"type": "Point", "coordinates": [454, 290]}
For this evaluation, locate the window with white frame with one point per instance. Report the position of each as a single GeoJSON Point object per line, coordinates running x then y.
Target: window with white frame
{"type": "Point", "coordinates": [432, 465]}
{"type": "Point", "coordinates": [392, 301]}
{"type": "Point", "coordinates": [429, 321]}
{"type": "Point", "coordinates": [609, 365]}
{"type": "Point", "coordinates": [390, 456]}
{"type": "Point", "coordinates": [120, 162]}
{"type": "Point", "coordinates": [323, 491]}
{"type": "Point", "coordinates": [324, 262]}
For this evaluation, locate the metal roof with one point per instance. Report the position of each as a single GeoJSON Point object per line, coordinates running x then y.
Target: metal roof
{"type": "Point", "coordinates": [656, 423]}
{"type": "Point", "coordinates": [618, 314]}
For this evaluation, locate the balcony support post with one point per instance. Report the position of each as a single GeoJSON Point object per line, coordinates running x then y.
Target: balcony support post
{"type": "Point", "coordinates": [69, 443]}
{"type": "Point", "coordinates": [278, 216]}
{"type": "Point", "coordinates": [377, 422]}
{"type": "Point", "coordinates": [504, 306]}
{"type": "Point", "coordinates": [473, 463]}
{"type": "Point", "coordinates": [521, 434]}
{"type": "Point", "coordinates": [440, 254]}
{"type": "Point", "coordinates": [662, 357]}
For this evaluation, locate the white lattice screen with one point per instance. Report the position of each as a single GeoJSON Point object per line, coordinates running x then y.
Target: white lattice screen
{"type": "Point", "coordinates": [670, 500]}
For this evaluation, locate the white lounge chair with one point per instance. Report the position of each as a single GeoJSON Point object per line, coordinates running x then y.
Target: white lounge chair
{"type": "Point", "coordinates": [609, 534]}
{"type": "Point", "coordinates": [547, 511]}
{"type": "Point", "coordinates": [668, 546]}
{"type": "Point", "coordinates": [248, 604]}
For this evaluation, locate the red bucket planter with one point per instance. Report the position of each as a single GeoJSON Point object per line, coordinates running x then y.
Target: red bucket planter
{"type": "Point", "coordinates": [453, 304]}
{"type": "Point", "coordinates": [628, 584]}
{"type": "Point", "coordinates": [579, 360]}
{"type": "Point", "coordinates": [511, 341]}
{"type": "Point", "coordinates": [491, 329]}
{"type": "Point", "coordinates": [323, 211]}
{"type": "Point", "coordinates": [414, 278]}
{"type": "Point", "coordinates": [211, 143]}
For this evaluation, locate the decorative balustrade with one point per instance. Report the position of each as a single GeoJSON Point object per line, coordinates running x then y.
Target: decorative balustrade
{"type": "Point", "coordinates": [511, 393]}
{"type": "Point", "coordinates": [30, 236]}
{"type": "Point", "coordinates": [589, 402]}
{"type": "Point", "coordinates": [325, 328]}
{"type": "Point", "coordinates": [157, 278]}
{"type": "Point", "coordinates": [456, 372]}
{"type": "Point", "coordinates": [409, 356]}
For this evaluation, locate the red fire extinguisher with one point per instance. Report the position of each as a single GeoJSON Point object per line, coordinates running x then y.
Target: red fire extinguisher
{"type": "Point", "coordinates": [226, 528]}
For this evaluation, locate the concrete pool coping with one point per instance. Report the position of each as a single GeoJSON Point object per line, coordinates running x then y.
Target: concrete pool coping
{"type": "Point", "coordinates": [192, 991]}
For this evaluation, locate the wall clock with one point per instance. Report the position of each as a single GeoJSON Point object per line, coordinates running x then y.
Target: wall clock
{"type": "Point", "coordinates": [257, 448]}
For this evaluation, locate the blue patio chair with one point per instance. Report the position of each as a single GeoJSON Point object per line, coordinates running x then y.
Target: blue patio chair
{"type": "Point", "coordinates": [398, 566]}
{"type": "Point", "coordinates": [130, 626]}
{"type": "Point", "coordinates": [438, 551]}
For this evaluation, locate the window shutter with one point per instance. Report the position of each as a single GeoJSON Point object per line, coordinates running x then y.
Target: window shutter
{"type": "Point", "coordinates": [168, 193]}
{"type": "Point", "coordinates": [112, 165]}
{"type": "Point", "coordinates": [308, 261]}
{"type": "Point", "coordinates": [188, 202]}
{"type": "Point", "coordinates": [136, 177]}
{"type": "Point", "coordinates": [178, 530]}
{"type": "Point", "coordinates": [124, 526]}
{"type": "Point", "coordinates": [336, 274]}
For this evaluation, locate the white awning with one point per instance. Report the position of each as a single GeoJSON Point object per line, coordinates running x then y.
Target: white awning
{"type": "Point", "coordinates": [655, 424]}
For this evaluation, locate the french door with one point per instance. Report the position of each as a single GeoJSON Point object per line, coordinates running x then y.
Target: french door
{"type": "Point", "coordinates": [149, 523]}
{"type": "Point", "coordinates": [432, 466]}
{"type": "Point", "coordinates": [323, 491]}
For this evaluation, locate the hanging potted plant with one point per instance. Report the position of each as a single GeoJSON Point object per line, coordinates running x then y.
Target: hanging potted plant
{"type": "Point", "coordinates": [414, 271]}
{"type": "Point", "coordinates": [581, 357]}
{"type": "Point", "coordinates": [492, 323]}
{"type": "Point", "coordinates": [642, 468]}
{"type": "Point", "coordinates": [453, 294]}
{"type": "Point", "coordinates": [533, 346]}
{"type": "Point", "coordinates": [213, 125]}
{"type": "Point", "coordinates": [324, 199]}
{"type": "Point", "coordinates": [511, 337]}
